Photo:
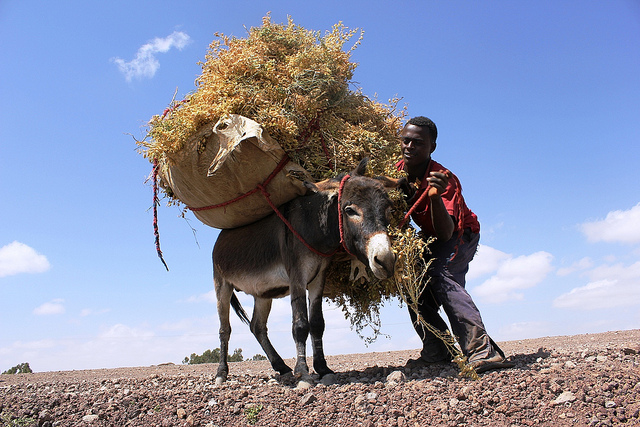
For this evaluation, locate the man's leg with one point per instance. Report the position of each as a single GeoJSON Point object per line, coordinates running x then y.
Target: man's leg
{"type": "Point", "coordinates": [465, 250]}
{"type": "Point", "coordinates": [464, 316]}
{"type": "Point", "coordinates": [433, 349]}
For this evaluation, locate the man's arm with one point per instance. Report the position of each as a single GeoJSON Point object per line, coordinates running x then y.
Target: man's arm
{"type": "Point", "coordinates": [443, 224]}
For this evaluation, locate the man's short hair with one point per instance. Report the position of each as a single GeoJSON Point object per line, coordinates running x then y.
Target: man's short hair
{"type": "Point", "coordinates": [425, 122]}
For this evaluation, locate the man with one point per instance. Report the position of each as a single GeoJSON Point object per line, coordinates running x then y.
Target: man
{"type": "Point", "coordinates": [442, 213]}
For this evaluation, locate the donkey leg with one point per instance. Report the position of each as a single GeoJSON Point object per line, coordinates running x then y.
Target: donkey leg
{"type": "Point", "coordinates": [261, 310]}
{"type": "Point", "coordinates": [316, 324]}
{"type": "Point", "coordinates": [223, 295]}
{"type": "Point", "coordinates": [300, 329]}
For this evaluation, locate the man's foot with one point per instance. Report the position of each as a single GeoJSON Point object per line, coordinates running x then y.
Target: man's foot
{"type": "Point", "coordinates": [490, 364]}
{"type": "Point", "coordinates": [422, 363]}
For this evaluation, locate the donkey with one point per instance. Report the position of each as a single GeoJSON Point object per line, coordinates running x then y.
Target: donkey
{"type": "Point", "coordinates": [267, 260]}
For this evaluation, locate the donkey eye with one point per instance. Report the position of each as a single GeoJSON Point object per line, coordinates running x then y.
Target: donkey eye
{"type": "Point", "coordinates": [350, 211]}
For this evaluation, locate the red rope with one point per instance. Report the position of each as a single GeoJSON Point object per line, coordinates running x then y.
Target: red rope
{"type": "Point", "coordinates": [314, 125]}
{"type": "Point", "coordinates": [413, 208]}
{"type": "Point", "coordinates": [156, 233]}
{"type": "Point", "coordinates": [267, 196]}
{"type": "Point", "coordinates": [340, 220]}
{"type": "Point", "coordinates": [295, 233]}
{"type": "Point", "coordinates": [290, 227]}
{"type": "Point", "coordinates": [266, 182]}
{"type": "Point", "coordinates": [262, 188]}
{"type": "Point", "coordinates": [461, 219]}
{"type": "Point", "coordinates": [425, 194]}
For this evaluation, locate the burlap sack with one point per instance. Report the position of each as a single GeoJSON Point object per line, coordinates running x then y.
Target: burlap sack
{"type": "Point", "coordinates": [226, 161]}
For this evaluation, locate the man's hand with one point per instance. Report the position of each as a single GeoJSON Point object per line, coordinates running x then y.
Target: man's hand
{"type": "Point", "coordinates": [408, 189]}
{"type": "Point", "coordinates": [438, 182]}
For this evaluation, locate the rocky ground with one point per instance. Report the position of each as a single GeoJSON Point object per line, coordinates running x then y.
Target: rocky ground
{"type": "Point", "coordinates": [583, 380]}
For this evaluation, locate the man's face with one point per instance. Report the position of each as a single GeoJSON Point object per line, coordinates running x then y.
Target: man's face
{"type": "Point", "coordinates": [416, 145]}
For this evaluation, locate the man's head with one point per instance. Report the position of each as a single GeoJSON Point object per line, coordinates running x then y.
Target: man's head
{"type": "Point", "coordinates": [418, 141]}
{"type": "Point", "coordinates": [425, 122]}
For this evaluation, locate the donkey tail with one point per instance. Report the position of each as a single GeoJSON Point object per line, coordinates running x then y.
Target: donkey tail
{"type": "Point", "coordinates": [235, 303]}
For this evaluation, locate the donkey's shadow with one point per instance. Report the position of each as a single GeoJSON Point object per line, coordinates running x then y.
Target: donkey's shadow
{"type": "Point", "coordinates": [374, 374]}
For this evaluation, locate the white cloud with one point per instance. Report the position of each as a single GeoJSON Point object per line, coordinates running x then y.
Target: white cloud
{"type": "Point", "coordinates": [206, 297]}
{"type": "Point", "coordinates": [630, 273]}
{"type": "Point", "coordinates": [610, 286]}
{"type": "Point", "coordinates": [486, 261]}
{"type": "Point", "coordinates": [580, 265]}
{"type": "Point", "coordinates": [145, 63]}
{"type": "Point", "coordinates": [52, 307]}
{"type": "Point", "coordinates": [18, 258]}
{"type": "Point", "coordinates": [618, 226]}
{"type": "Point", "coordinates": [514, 274]}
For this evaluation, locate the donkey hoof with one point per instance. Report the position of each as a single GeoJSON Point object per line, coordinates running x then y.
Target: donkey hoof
{"type": "Point", "coordinates": [219, 381]}
{"type": "Point", "coordinates": [328, 379]}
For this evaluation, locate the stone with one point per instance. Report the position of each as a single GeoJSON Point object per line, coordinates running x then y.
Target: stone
{"type": "Point", "coordinates": [396, 377]}
{"type": "Point", "coordinates": [304, 385]}
{"type": "Point", "coordinates": [565, 396]}
{"type": "Point", "coordinates": [307, 399]}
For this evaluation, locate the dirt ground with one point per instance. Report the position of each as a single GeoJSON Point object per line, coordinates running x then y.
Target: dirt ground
{"type": "Point", "coordinates": [581, 380]}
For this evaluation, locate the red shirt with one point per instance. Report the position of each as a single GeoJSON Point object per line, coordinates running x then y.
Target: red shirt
{"type": "Point", "coordinates": [453, 202]}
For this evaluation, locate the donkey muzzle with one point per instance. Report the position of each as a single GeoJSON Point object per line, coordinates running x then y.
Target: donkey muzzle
{"type": "Point", "coordinates": [381, 258]}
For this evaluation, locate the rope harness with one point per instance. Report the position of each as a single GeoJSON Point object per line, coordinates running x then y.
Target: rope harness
{"type": "Point", "coordinates": [299, 237]}
{"type": "Point", "coordinates": [459, 202]}
{"type": "Point", "coordinates": [407, 216]}
{"type": "Point", "coordinates": [314, 126]}
{"type": "Point", "coordinates": [262, 188]}
{"type": "Point", "coordinates": [340, 219]}
{"type": "Point", "coordinates": [156, 233]}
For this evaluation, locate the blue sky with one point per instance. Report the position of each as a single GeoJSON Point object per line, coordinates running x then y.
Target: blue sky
{"type": "Point", "coordinates": [538, 110]}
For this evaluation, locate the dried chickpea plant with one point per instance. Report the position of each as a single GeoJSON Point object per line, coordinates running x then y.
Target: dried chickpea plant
{"type": "Point", "coordinates": [297, 84]}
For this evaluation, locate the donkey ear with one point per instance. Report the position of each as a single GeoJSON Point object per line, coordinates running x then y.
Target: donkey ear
{"type": "Point", "coordinates": [324, 185]}
{"type": "Point", "coordinates": [361, 169]}
{"type": "Point", "coordinates": [311, 187]}
{"type": "Point", "coordinates": [401, 184]}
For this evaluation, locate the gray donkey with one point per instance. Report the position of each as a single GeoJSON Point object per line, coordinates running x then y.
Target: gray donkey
{"type": "Point", "coordinates": [288, 254]}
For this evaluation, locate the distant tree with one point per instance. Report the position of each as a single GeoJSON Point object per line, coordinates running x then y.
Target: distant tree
{"type": "Point", "coordinates": [212, 356]}
{"type": "Point", "coordinates": [237, 356]}
{"type": "Point", "coordinates": [22, 368]}
{"type": "Point", "coordinates": [259, 357]}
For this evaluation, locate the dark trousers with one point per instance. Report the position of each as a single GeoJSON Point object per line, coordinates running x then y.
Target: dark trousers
{"type": "Point", "coordinates": [446, 289]}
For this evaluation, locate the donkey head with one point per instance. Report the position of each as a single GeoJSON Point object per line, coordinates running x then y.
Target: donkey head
{"type": "Point", "coordinates": [365, 208]}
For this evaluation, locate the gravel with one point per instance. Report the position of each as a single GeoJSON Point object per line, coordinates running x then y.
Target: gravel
{"type": "Point", "coordinates": [581, 380]}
